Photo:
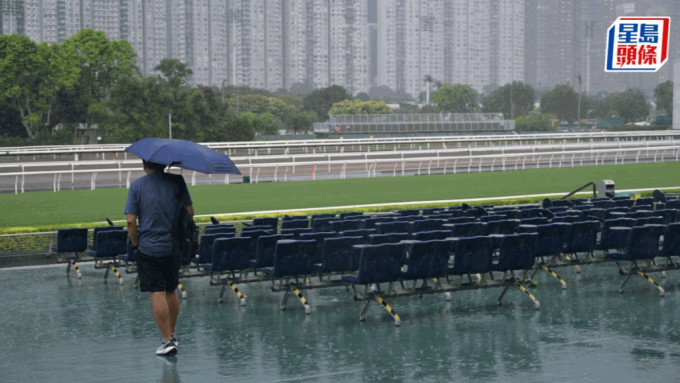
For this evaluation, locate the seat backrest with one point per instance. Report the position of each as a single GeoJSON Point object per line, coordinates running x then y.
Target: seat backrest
{"type": "Point", "coordinates": [376, 239]}
{"type": "Point", "coordinates": [345, 224]}
{"type": "Point", "coordinates": [272, 222]}
{"type": "Point", "coordinates": [111, 243]}
{"type": "Point", "coordinates": [551, 238]}
{"type": "Point", "coordinates": [72, 240]}
{"type": "Point", "coordinates": [427, 259]}
{"type": "Point", "coordinates": [255, 233]}
{"type": "Point", "coordinates": [361, 232]}
{"type": "Point", "coordinates": [205, 246]}
{"type": "Point", "coordinates": [517, 252]}
{"type": "Point", "coordinates": [98, 229]}
{"type": "Point", "coordinates": [472, 255]}
{"type": "Point", "coordinates": [294, 224]}
{"type": "Point", "coordinates": [644, 242]}
{"type": "Point", "coordinates": [468, 229]}
{"type": "Point", "coordinates": [428, 224]}
{"type": "Point", "coordinates": [583, 237]}
{"type": "Point", "coordinates": [392, 227]}
{"type": "Point", "coordinates": [336, 255]}
{"type": "Point", "coordinates": [220, 229]}
{"type": "Point", "coordinates": [432, 234]}
{"type": "Point", "coordinates": [321, 224]}
{"type": "Point", "coordinates": [380, 263]}
{"type": "Point", "coordinates": [264, 249]}
{"type": "Point", "coordinates": [671, 240]}
{"type": "Point", "coordinates": [504, 226]}
{"type": "Point", "coordinates": [231, 253]}
{"type": "Point", "coordinates": [318, 237]}
{"type": "Point", "coordinates": [294, 257]}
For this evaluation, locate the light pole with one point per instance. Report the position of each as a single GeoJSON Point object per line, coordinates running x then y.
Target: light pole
{"type": "Point", "coordinates": [578, 121]}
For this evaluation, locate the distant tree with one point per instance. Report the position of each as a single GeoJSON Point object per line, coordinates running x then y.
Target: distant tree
{"type": "Point", "coordinates": [175, 72]}
{"type": "Point", "coordinates": [513, 100]}
{"type": "Point", "coordinates": [363, 96]}
{"type": "Point", "coordinates": [458, 98]}
{"type": "Point", "coordinates": [630, 104]}
{"type": "Point", "coordinates": [300, 121]}
{"type": "Point", "coordinates": [321, 101]}
{"type": "Point", "coordinates": [102, 63]}
{"type": "Point", "coordinates": [663, 97]}
{"type": "Point", "coordinates": [543, 122]}
{"type": "Point", "coordinates": [562, 101]}
{"type": "Point", "coordinates": [31, 77]}
{"type": "Point", "coordinates": [359, 107]}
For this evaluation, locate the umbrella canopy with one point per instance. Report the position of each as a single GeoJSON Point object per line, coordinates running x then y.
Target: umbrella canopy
{"type": "Point", "coordinates": [183, 154]}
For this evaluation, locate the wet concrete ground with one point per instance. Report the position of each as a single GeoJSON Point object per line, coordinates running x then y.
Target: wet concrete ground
{"type": "Point", "coordinates": [69, 330]}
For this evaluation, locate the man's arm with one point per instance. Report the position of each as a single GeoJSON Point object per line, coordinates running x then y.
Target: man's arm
{"type": "Point", "coordinates": [132, 229]}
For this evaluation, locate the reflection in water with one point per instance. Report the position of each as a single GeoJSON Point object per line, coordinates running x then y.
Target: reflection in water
{"type": "Point", "coordinates": [587, 332]}
{"type": "Point", "coordinates": [169, 372]}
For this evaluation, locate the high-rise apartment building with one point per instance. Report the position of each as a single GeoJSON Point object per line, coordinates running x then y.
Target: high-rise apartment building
{"type": "Point", "coordinates": [309, 44]}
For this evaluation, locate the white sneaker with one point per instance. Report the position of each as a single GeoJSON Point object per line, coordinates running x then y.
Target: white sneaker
{"type": "Point", "coordinates": [167, 348]}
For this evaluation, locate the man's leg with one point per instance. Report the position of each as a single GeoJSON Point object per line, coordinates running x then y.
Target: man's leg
{"type": "Point", "coordinates": [173, 308]}
{"type": "Point", "coordinates": [163, 313]}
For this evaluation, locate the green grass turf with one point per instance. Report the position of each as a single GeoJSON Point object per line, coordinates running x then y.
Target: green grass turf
{"type": "Point", "coordinates": [85, 207]}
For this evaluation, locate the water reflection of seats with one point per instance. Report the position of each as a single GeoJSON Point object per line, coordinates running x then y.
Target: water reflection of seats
{"type": "Point", "coordinates": [74, 242]}
{"type": "Point", "coordinates": [378, 264]}
{"type": "Point", "coordinates": [641, 249]}
{"type": "Point", "coordinates": [230, 261]}
{"type": "Point", "coordinates": [293, 263]}
{"type": "Point", "coordinates": [109, 244]}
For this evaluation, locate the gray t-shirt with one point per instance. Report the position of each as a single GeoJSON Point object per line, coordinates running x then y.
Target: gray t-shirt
{"type": "Point", "coordinates": [154, 200]}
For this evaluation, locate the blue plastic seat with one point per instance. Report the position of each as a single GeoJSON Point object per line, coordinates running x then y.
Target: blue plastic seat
{"type": "Point", "coordinates": [294, 224]}
{"type": "Point", "coordinates": [318, 237]}
{"type": "Point", "coordinates": [643, 244]}
{"type": "Point", "coordinates": [205, 246]}
{"type": "Point", "coordinates": [229, 254]}
{"type": "Point", "coordinates": [671, 241]}
{"type": "Point", "coordinates": [375, 239]}
{"type": "Point", "coordinates": [427, 224]}
{"type": "Point", "coordinates": [336, 255]}
{"type": "Point", "coordinates": [517, 252]}
{"type": "Point", "coordinates": [323, 223]}
{"type": "Point", "coordinates": [221, 229]}
{"type": "Point", "coordinates": [583, 238]}
{"type": "Point", "coordinates": [427, 259]}
{"type": "Point", "coordinates": [392, 227]}
{"type": "Point", "coordinates": [292, 258]}
{"type": "Point", "coordinates": [271, 222]}
{"type": "Point", "coordinates": [432, 234]}
{"type": "Point", "coordinates": [378, 264]}
{"type": "Point", "coordinates": [97, 230]}
{"type": "Point", "coordinates": [345, 224]}
{"type": "Point", "coordinates": [472, 255]}
{"type": "Point", "coordinates": [110, 243]}
{"type": "Point", "coordinates": [469, 229]}
{"type": "Point", "coordinates": [72, 240]}
{"type": "Point", "coordinates": [264, 249]}
{"type": "Point", "coordinates": [504, 226]}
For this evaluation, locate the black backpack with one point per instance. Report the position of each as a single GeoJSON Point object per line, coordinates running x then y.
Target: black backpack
{"type": "Point", "coordinates": [185, 231]}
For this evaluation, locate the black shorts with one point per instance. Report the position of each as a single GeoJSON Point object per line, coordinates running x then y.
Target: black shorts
{"type": "Point", "coordinates": [158, 273]}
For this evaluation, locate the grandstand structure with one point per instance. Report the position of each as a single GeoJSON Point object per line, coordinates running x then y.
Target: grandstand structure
{"type": "Point", "coordinates": [396, 125]}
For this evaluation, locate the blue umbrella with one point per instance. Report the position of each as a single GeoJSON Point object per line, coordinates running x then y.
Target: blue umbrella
{"type": "Point", "coordinates": [183, 154]}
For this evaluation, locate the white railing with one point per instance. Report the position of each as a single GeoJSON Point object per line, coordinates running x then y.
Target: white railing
{"type": "Point", "coordinates": [365, 165]}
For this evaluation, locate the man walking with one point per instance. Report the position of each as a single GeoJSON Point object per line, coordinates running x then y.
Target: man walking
{"type": "Point", "coordinates": [151, 211]}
